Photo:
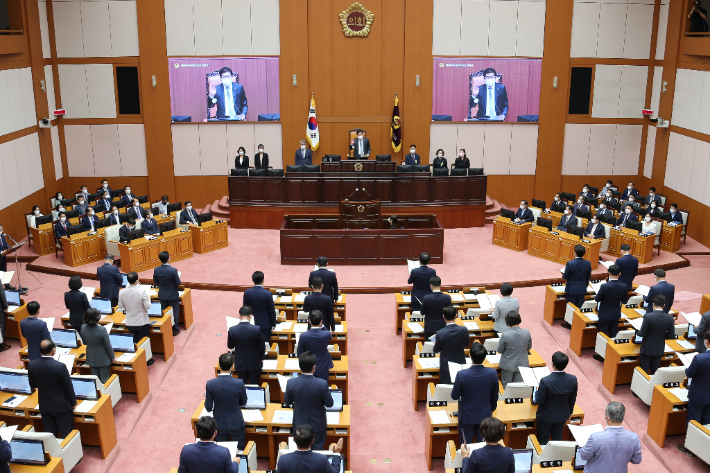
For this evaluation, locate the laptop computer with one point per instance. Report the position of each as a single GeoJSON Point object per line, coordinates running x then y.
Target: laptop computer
{"type": "Point", "coordinates": [15, 383]}
{"type": "Point", "coordinates": [102, 305]}
{"type": "Point", "coordinates": [337, 395]}
{"type": "Point", "coordinates": [155, 310]}
{"type": "Point", "coordinates": [64, 338]}
{"type": "Point", "coordinates": [523, 461]}
{"type": "Point", "coordinates": [122, 342]}
{"type": "Point", "coordinates": [84, 388]}
{"type": "Point", "coordinates": [256, 398]}
{"type": "Point", "coordinates": [27, 452]}
{"type": "Point", "coordinates": [13, 298]}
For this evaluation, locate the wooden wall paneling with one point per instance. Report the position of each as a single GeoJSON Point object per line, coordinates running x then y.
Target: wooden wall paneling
{"type": "Point", "coordinates": [511, 189]}
{"type": "Point", "coordinates": [392, 78]}
{"type": "Point", "coordinates": [320, 80]}
{"type": "Point", "coordinates": [202, 190]}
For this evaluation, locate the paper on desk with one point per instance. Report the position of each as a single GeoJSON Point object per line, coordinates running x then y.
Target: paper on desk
{"type": "Point", "coordinates": [275, 296]}
{"type": "Point", "coordinates": [562, 270]}
{"type": "Point", "coordinates": [686, 358]}
{"type": "Point", "coordinates": [153, 292]}
{"type": "Point", "coordinates": [231, 321]}
{"type": "Point", "coordinates": [292, 364]}
{"type": "Point", "coordinates": [6, 433]}
{"type": "Point", "coordinates": [454, 368]}
{"type": "Point", "coordinates": [6, 276]}
{"type": "Point", "coordinates": [280, 327]}
{"type": "Point", "coordinates": [286, 299]}
{"type": "Point", "coordinates": [685, 344]}
{"type": "Point", "coordinates": [680, 393]}
{"type": "Point", "coordinates": [126, 357]}
{"type": "Point", "coordinates": [63, 351]}
{"type": "Point", "coordinates": [16, 401]}
{"type": "Point", "coordinates": [282, 381]}
{"type": "Point", "coordinates": [252, 415]}
{"type": "Point", "coordinates": [85, 406]}
{"type": "Point", "coordinates": [332, 418]}
{"type": "Point", "coordinates": [339, 328]}
{"type": "Point", "coordinates": [300, 328]}
{"type": "Point", "coordinates": [283, 417]}
{"type": "Point", "coordinates": [439, 417]}
{"type": "Point", "coordinates": [641, 312]}
{"type": "Point", "coordinates": [180, 293]}
{"type": "Point", "coordinates": [493, 298]}
{"type": "Point", "coordinates": [471, 326]}
{"type": "Point", "coordinates": [407, 298]}
{"type": "Point", "coordinates": [430, 363]}
{"type": "Point", "coordinates": [594, 317]}
{"type": "Point", "coordinates": [456, 297]}
{"type": "Point", "coordinates": [89, 291]}
{"type": "Point", "coordinates": [607, 264]}
{"type": "Point", "coordinates": [67, 360]}
{"type": "Point", "coordinates": [493, 359]}
{"type": "Point", "coordinates": [597, 286]}
{"type": "Point", "coordinates": [559, 289]}
{"type": "Point", "coordinates": [636, 323]}
{"type": "Point", "coordinates": [299, 298]}
{"type": "Point", "coordinates": [642, 290]}
{"type": "Point", "coordinates": [269, 364]}
{"type": "Point", "coordinates": [692, 318]}
{"type": "Point", "coordinates": [108, 327]}
{"type": "Point", "coordinates": [49, 321]}
{"type": "Point", "coordinates": [206, 413]}
{"type": "Point", "coordinates": [469, 297]}
{"type": "Point", "coordinates": [483, 301]}
{"type": "Point", "coordinates": [340, 298]}
{"type": "Point", "coordinates": [667, 349]}
{"type": "Point", "coordinates": [581, 433]}
{"type": "Point", "coordinates": [415, 327]}
{"type": "Point", "coordinates": [411, 264]}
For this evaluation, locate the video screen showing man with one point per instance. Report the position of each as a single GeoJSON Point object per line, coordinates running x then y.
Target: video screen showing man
{"type": "Point", "coordinates": [228, 96]}
{"type": "Point", "coordinates": [489, 101]}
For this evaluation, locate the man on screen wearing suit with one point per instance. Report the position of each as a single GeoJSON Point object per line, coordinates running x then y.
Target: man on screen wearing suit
{"type": "Point", "coordinates": [492, 98]}
{"type": "Point", "coordinates": [451, 342]}
{"type": "Point", "coordinates": [555, 400]}
{"type": "Point", "coordinates": [661, 287]}
{"type": "Point", "coordinates": [330, 281]}
{"type": "Point", "coordinates": [304, 458]}
{"type": "Point", "coordinates": [321, 302]}
{"type": "Point", "coordinates": [524, 214]}
{"type": "Point", "coordinates": [433, 308]}
{"type": "Point", "coordinates": [611, 295]}
{"type": "Point", "coordinates": [578, 273]}
{"type": "Point", "coordinates": [698, 374]}
{"type": "Point", "coordinates": [629, 266]}
{"type": "Point", "coordinates": [229, 97]}
{"type": "Point", "coordinates": [167, 279]}
{"type": "Point", "coordinates": [316, 340]}
{"type": "Point", "coordinates": [419, 279]}
{"type": "Point", "coordinates": [361, 146]}
{"type": "Point", "coordinates": [412, 158]}
{"type": "Point", "coordinates": [262, 305]}
{"type": "Point", "coordinates": [110, 280]}
{"type": "Point", "coordinates": [247, 341]}
{"type": "Point", "coordinates": [304, 157]}
{"type": "Point", "coordinates": [34, 330]}
{"type": "Point", "coordinates": [656, 328]}
{"type": "Point", "coordinates": [594, 228]}
{"type": "Point", "coordinates": [206, 456]}
{"type": "Point", "coordinates": [225, 395]}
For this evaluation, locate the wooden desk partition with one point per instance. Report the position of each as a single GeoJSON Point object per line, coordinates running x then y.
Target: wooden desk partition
{"type": "Point", "coordinates": [359, 165]}
{"type": "Point", "coordinates": [141, 254]}
{"type": "Point", "coordinates": [510, 235]}
{"type": "Point", "coordinates": [82, 248]}
{"type": "Point", "coordinates": [705, 303]}
{"type": "Point", "coordinates": [667, 416]}
{"type": "Point", "coordinates": [360, 214]}
{"type": "Point", "coordinates": [560, 248]}
{"type": "Point", "coordinates": [210, 236]}
{"type": "Point", "coordinates": [43, 239]}
{"type": "Point", "coordinates": [641, 246]}
{"type": "Point", "coordinates": [670, 236]}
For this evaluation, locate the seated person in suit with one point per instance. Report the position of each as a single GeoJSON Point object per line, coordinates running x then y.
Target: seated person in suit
{"type": "Point", "coordinates": [632, 202]}
{"type": "Point", "coordinates": [261, 159]}
{"type": "Point", "coordinates": [586, 193]}
{"type": "Point", "coordinates": [492, 98]}
{"type": "Point", "coordinates": [626, 216]}
{"type": "Point", "coordinates": [648, 226]}
{"type": "Point", "coordinates": [85, 192]}
{"type": "Point", "coordinates": [188, 215]}
{"type": "Point", "coordinates": [61, 227]}
{"type": "Point", "coordinates": [127, 197]}
{"type": "Point", "coordinates": [652, 197]}
{"type": "Point", "coordinates": [450, 342]}
{"type": "Point", "coordinates": [493, 457]}
{"type": "Point", "coordinates": [225, 395]}
{"type": "Point", "coordinates": [316, 341]}
{"type": "Point", "coordinates": [106, 203]}
{"type": "Point", "coordinates": [433, 307]}
{"type": "Point", "coordinates": [609, 198]}
{"type": "Point", "coordinates": [602, 211]}
{"type": "Point", "coordinates": [595, 229]}
{"type": "Point", "coordinates": [206, 456]}
{"type": "Point", "coordinates": [524, 214]}
{"type": "Point", "coordinates": [630, 190]}
{"type": "Point", "coordinates": [303, 155]}
{"type": "Point", "coordinates": [113, 216]}
{"type": "Point", "coordinates": [607, 187]}
{"type": "Point", "coordinates": [566, 219]}
{"type": "Point", "coordinates": [321, 302]}
{"type": "Point", "coordinates": [135, 210]}
{"type": "Point", "coordinates": [149, 225]}
{"type": "Point", "coordinates": [34, 330]}
{"type": "Point", "coordinates": [242, 160]}
{"type": "Point", "coordinates": [130, 225]}
{"type": "Point", "coordinates": [104, 187]}
{"type": "Point", "coordinates": [362, 145]}
{"type": "Point", "coordinates": [90, 220]}
{"type": "Point", "coordinates": [579, 206]}
{"type": "Point", "coordinates": [412, 158]}
{"type": "Point", "coordinates": [440, 160]}
{"type": "Point", "coordinates": [36, 212]}
{"type": "Point", "coordinates": [81, 204]}
{"type": "Point", "coordinates": [462, 161]}
{"type": "Point", "coordinates": [305, 459]}
{"type": "Point", "coordinates": [557, 204]}
{"type": "Point", "coordinates": [163, 205]}
{"type": "Point", "coordinates": [676, 216]}
{"type": "Point", "coordinates": [653, 210]}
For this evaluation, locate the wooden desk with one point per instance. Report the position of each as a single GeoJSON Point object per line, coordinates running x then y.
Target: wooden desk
{"type": "Point", "coordinates": [43, 239]}
{"type": "Point", "coordinates": [670, 236]}
{"type": "Point", "coordinates": [560, 248]}
{"type": "Point", "coordinates": [584, 330]}
{"type": "Point", "coordinates": [705, 303]}
{"type": "Point", "coordinates": [293, 304]}
{"type": "Point", "coordinates": [566, 466]}
{"type": "Point", "coordinates": [55, 465]}
{"type": "Point", "coordinates": [286, 339]}
{"type": "Point", "coordinates": [161, 332]}
{"type": "Point", "coordinates": [140, 255]}
{"type": "Point", "coordinates": [82, 248]}
{"type": "Point", "coordinates": [668, 415]}
{"type": "Point", "coordinates": [641, 246]}
{"type": "Point", "coordinates": [210, 236]}
{"type": "Point", "coordinates": [13, 319]}
{"type": "Point", "coordinates": [403, 304]}
{"type": "Point", "coordinates": [510, 235]}
{"type": "Point", "coordinates": [556, 303]}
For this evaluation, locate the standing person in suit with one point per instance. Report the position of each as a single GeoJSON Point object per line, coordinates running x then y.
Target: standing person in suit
{"type": "Point", "coordinates": [412, 158]}
{"type": "Point", "coordinates": [451, 342]}
{"type": "Point", "coordinates": [630, 190]}
{"type": "Point", "coordinates": [309, 396]}
{"type": "Point", "coordinates": [524, 214]}
{"type": "Point", "coordinates": [611, 450]}
{"type": "Point", "coordinates": [321, 302]}
{"type": "Point", "coordinates": [567, 219]}
{"type": "Point", "coordinates": [90, 221]}
{"type": "Point", "coordinates": [5, 456]}
{"type": "Point", "coordinates": [476, 389]}
{"type": "Point", "coordinates": [76, 302]}
{"type": "Point", "coordinates": [249, 347]}
{"type": "Point", "coordinates": [304, 458]}
{"type": "Point", "coordinates": [206, 456]}
{"type": "Point", "coordinates": [81, 204]}
{"type": "Point", "coordinates": [629, 266]}
{"type": "Point", "coordinates": [676, 216]}
{"type": "Point", "coordinates": [433, 307]}
{"type": "Point", "coordinates": [261, 159]}
{"type": "Point", "coordinates": [99, 352]}
{"type": "Point", "coordinates": [419, 279]}
{"type": "Point", "coordinates": [440, 160]}
{"type": "Point", "coordinates": [652, 197]}
{"type": "Point", "coordinates": [226, 395]}
{"type": "Point", "coordinates": [149, 225]}
{"type": "Point", "coordinates": [610, 296]}
{"type": "Point", "coordinates": [628, 215]}
{"type": "Point", "coordinates": [125, 229]}
{"type": "Point", "coordinates": [361, 146]}
{"type": "Point", "coordinates": [56, 393]}
{"type": "Point", "coordinates": [698, 374]}
{"type": "Point", "coordinates": [303, 155]}
{"type": "Point", "coordinates": [578, 273]}
{"type": "Point", "coordinates": [136, 210]}
{"type": "Point", "coordinates": [188, 216]}
{"type": "Point", "coordinates": [504, 305]}
{"type": "Point", "coordinates": [555, 398]}
{"type": "Point", "coordinates": [594, 228]}
{"type": "Point", "coordinates": [262, 305]}
{"type": "Point", "coordinates": [229, 97]}
{"type": "Point", "coordinates": [602, 211]}
{"type": "Point", "coordinates": [329, 279]}
{"type": "Point", "coordinates": [702, 327]}
{"type": "Point", "coordinates": [60, 230]}
{"type": "Point", "coordinates": [135, 302]}
{"type": "Point", "coordinates": [493, 457]}
{"type": "Point", "coordinates": [580, 206]}
{"type": "Point", "coordinates": [110, 280]}
{"type": "Point", "coordinates": [492, 98]}
{"type": "Point", "coordinates": [661, 287]}
{"type": "Point", "coordinates": [242, 160]}
{"type": "Point", "coordinates": [34, 330]}
{"type": "Point", "coordinates": [113, 217]}
{"type": "Point", "coordinates": [657, 327]}
{"type": "Point", "coordinates": [462, 161]}
{"type": "Point", "coordinates": [557, 204]}
{"type": "Point", "coordinates": [167, 279]}
{"type": "Point", "coordinates": [127, 197]}
{"type": "Point", "coordinates": [513, 347]}
{"type": "Point", "coordinates": [316, 341]}
{"type": "Point", "coordinates": [3, 318]}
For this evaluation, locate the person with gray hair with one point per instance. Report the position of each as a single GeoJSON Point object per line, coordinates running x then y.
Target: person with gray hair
{"type": "Point", "coordinates": [611, 450]}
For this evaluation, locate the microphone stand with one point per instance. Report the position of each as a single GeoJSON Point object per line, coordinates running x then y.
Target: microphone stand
{"type": "Point", "coordinates": [20, 289]}
{"type": "Point", "coordinates": [368, 194]}
{"type": "Point", "coordinates": [356, 189]}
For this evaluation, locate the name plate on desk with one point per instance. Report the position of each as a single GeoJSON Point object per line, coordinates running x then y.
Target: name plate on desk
{"type": "Point", "coordinates": [586, 310]}
{"type": "Point", "coordinates": [286, 406]}
{"type": "Point", "coordinates": [468, 317]}
{"type": "Point", "coordinates": [492, 352]}
{"type": "Point", "coordinates": [406, 293]}
{"type": "Point", "coordinates": [621, 341]}
{"type": "Point", "coordinates": [438, 403]}
{"type": "Point", "coordinates": [292, 355]}
{"type": "Point", "coordinates": [453, 291]}
{"type": "Point", "coordinates": [632, 306]}
{"type": "Point", "coordinates": [514, 400]}
{"type": "Point", "coordinates": [416, 319]}
{"type": "Point", "coordinates": [427, 355]}
{"type": "Point", "coordinates": [551, 464]}
{"type": "Point", "coordinates": [671, 385]}
{"type": "Point", "coordinates": [557, 284]}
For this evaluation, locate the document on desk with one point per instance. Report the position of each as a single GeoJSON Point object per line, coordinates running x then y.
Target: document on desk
{"type": "Point", "coordinates": [300, 328]}
{"type": "Point", "coordinates": [686, 358]}
{"type": "Point", "coordinates": [108, 327]}
{"type": "Point", "coordinates": [581, 433]}
{"type": "Point", "coordinates": [456, 298]}
{"type": "Point", "coordinates": [153, 293]}
{"type": "Point", "coordinates": [126, 357]}
{"type": "Point", "coordinates": [608, 264]}
{"type": "Point", "coordinates": [430, 363]}
{"type": "Point", "coordinates": [6, 433]}
{"type": "Point", "coordinates": [340, 298]}
{"type": "Point", "coordinates": [469, 297]}
{"type": "Point", "coordinates": [484, 302]}
{"type": "Point", "coordinates": [14, 401]}
{"type": "Point", "coordinates": [63, 351]}
{"type": "Point", "coordinates": [594, 317]}
{"type": "Point", "coordinates": [439, 417]}
{"type": "Point", "coordinates": [67, 360]}
{"type": "Point", "coordinates": [407, 299]}
{"type": "Point", "coordinates": [231, 321]}
{"type": "Point", "coordinates": [269, 364]}
{"type": "Point", "coordinates": [275, 297]}
{"type": "Point", "coordinates": [597, 286]}
{"type": "Point", "coordinates": [411, 264]}
{"type": "Point", "coordinates": [692, 318]}
{"type": "Point", "coordinates": [641, 312]}
{"type": "Point", "coordinates": [415, 327]}
{"type": "Point", "coordinates": [292, 364]}
{"type": "Point", "coordinates": [280, 327]}
{"type": "Point", "coordinates": [454, 368]}
{"type": "Point", "coordinates": [680, 393]}
{"type": "Point", "coordinates": [559, 289]}
{"type": "Point", "coordinates": [493, 359]}
{"type": "Point", "coordinates": [332, 418]}
{"type": "Point", "coordinates": [475, 446]}
{"type": "Point", "coordinates": [6, 276]}
{"type": "Point", "coordinates": [685, 344]}
{"type": "Point", "coordinates": [532, 376]}
{"type": "Point", "coordinates": [636, 323]}
{"type": "Point", "coordinates": [285, 299]}
{"type": "Point", "coordinates": [282, 381]}
{"type": "Point", "coordinates": [493, 298]}
{"type": "Point", "coordinates": [49, 321]}
{"type": "Point", "coordinates": [283, 417]}
{"type": "Point", "coordinates": [667, 349]}
{"type": "Point", "coordinates": [339, 328]}
{"type": "Point", "coordinates": [299, 298]}
{"type": "Point", "coordinates": [205, 413]}
{"type": "Point", "coordinates": [180, 293]}
{"type": "Point", "coordinates": [252, 415]}
{"type": "Point", "coordinates": [471, 326]}
{"type": "Point", "coordinates": [642, 290]}
{"type": "Point", "coordinates": [85, 406]}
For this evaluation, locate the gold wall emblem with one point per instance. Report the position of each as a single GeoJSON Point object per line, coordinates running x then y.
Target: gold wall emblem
{"type": "Point", "coordinates": [356, 20]}
{"type": "Point", "coordinates": [360, 208]}
{"type": "Point", "coordinates": [358, 166]}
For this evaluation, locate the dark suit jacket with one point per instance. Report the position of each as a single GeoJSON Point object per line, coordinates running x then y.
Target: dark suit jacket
{"type": "Point", "coordinates": [656, 198]}
{"type": "Point", "coordinates": [301, 461]}
{"type": "Point", "coordinates": [577, 273]}
{"type": "Point", "coordinates": [316, 341]}
{"type": "Point", "coordinates": [629, 268]}
{"type": "Point", "coordinates": [409, 160]}
{"type": "Point", "coordinates": [598, 232]}
{"type": "Point", "coordinates": [123, 233]}
{"type": "Point", "coordinates": [103, 191]}
{"type": "Point", "coordinates": [525, 215]}
{"type": "Point", "coordinates": [657, 327]}
{"type": "Point", "coordinates": [99, 351]}
{"type": "Point", "coordinates": [330, 282]}
{"type": "Point", "coordinates": [137, 214]}
{"type": "Point", "coordinates": [184, 216]}
{"type": "Point", "coordinates": [440, 163]}
{"type": "Point", "coordinates": [625, 195]}
{"type": "Point", "coordinates": [664, 288]}
{"type": "Point", "coordinates": [167, 279]}
{"type": "Point", "coordinates": [244, 164]}
{"type": "Point", "coordinates": [365, 147]}
{"type": "Point", "coordinates": [450, 342]}
{"type": "Point", "coordinates": [262, 304]}
{"type": "Point", "coordinates": [309, 396]}
{"type": "Point", "coordinates": [77, 303]}
{"type": "Point", "coordinates": [699, 371]}
{"type": "Point", "coordinates": [558, 206]}
{"type": "Point", "coordinates": [206, 457]}
{"type": "Point", "coordinates": [105, 205]}
{"type": "Point", "coordinates": [303, 160]}
{"type": "Point", "coordinates": [621, 221]}
{"type": "Point", "coordinates": [501, 98]}
{"type": "Point", "coordinates": [419, 279]}
{"type": "Point", "coordinates": [226, 395]}
{"type": "Point", "coordinates": [702, 327]}
{"type": "Point", "coordinates": [128, 199]}
{"type": "Point", "coordinates": [86, 220]}
{"type": "Point", "coordinates": [150, 227]}
{"type": "Point", "coordinates": [555, 397]}
{"type": "Point", "coordinates": [433, 310]}
{"type": "Point", "coordinates": [34, 330]}
{"type": "Point", "coordinates": [319, 301]}
{"type": "Point", "coordinates": [261, 163]}
{"type": "Point", "coordinates": [247, 341]}
{"type": "Point", "coordinates": [490, 459]}
{"type": "Point", "coordinates": [477, 390]}
{"type": "Point", "coordinates": [51, 378]}
{"type": "Point", "coordinates": [578, 208]}
{"type": "Point", "coordinates": [587, 195]}
{"type": "Point", "coordinates": [61, 230]}
{"type": "Point", "coordinates": [677, 217]}
{"type": "Point", "coordinates": [110, 280]}
{"type": "Point", "coordinates": [81, 208]}
{"type": "Point", "coordinates": [462, 163]}
{"type": "Point", "coordinates": [239, 97]}
{"type": "Point", "coordinates": [564, 220]}
{"type": "Point", "coordinates": [611, 295]}
{"type": "Point", "coordinates": [5, 456]}
{"type": "Point", "coordinates": [605, 213]}
{"type": "Point", "coordinates": [113, 219]}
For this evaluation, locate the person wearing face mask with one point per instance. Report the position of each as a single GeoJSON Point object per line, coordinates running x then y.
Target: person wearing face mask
{"type": "Point", "coordinates": [653, 210]}
{"type": "Point", "coordinates": [85, 192]}
{"type": "Point", "coordinates": [608, 187]}
{"type": "Point", "coordinates": [61, 227]}
{"type": "Point", "coordinates": [652, 197]}
{"type": "Point", "coordinates": [229, 97]}
{"type": "Point", "coordinates": [648, 226]}
{"type": "Point", "coordinates": [113, 218]}
{"type": "Point", "coordinates": [557, 204]}
{"type": "Point", "coordinates": [492, 98]}
{"type": "Point", "coordinates": [580, 206]}
{"type": "Point", "coordinates": [135, 302]}
{"type": "Point", "coordinates": [56, 210]}
{"type": "Point", "coordinates": [676, 217]}
{"type": "Point", "coordinates": [149, 225]}
{"type": "Point", "coordinates": [632, 202]}
{"type": "Point", "coordinates": [626, 216]}
{"type": "Point", "coordinates": [163, 205]}
{"type": "Point", "coordinates": [362, 146]}
{"type": "Point", "coordinates": [440, 160]}
{"type": "Point", "coordinates": [129, 226]}
{"type": "Point", "coordinates": [412, 158]}
{"type": "Point", "coordinates": [566, 219]}
{"type": "Point", "coordinates": [242, 160]}
{"type": "Point", "coordinates": [586, 193]}
{"type": "Point", "coordinates": [303, 155]}
{"type": "Point", "coordinates": [135, 210]}
{"type": "Point", "coordinates": [36, 212]}
{"type": "Point", "coordinates": [603, 212]}
{"type": "Point", "coordinates": [106, 203]}
{"type": "Point", "coordinates": [524, 214]}
{"type": "Point", "coordinates": [261, 160]}
{"type": "Point", "coordinates": [104, 187]}
{"type": "Point", "coordinates": [4, 249]}
{"type": "Point", "coordinates": [630, 190]}
{"type": "Point", "coordinates": [594, 228]}
{"type": "Point", "coordinates": [188, 216]}
{"type": "Point", "coordinates": [127, 196]}
{"type": "Point", "coordinates": [462, 161]}
{"type": "Point", "coordinates": [81, 205]}
{"type": "Point", "coordinates": [57, 197]}
{"type": "Point", "coordinates": [90, 220]}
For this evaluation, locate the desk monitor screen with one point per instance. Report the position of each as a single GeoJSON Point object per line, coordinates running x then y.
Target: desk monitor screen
{"type": "Point", "coordinates": [174, 207]}
{"type": "Point", "coordinates": [102, 305]}
{"type": "Point", "coordinates": [545, 222]}
{"type": "Point", "coordinates": [578, 462]}
{"type": "Point", "coordinates": [638, 226]}
{"type": "Point", "coordinates": [29, 452]}
{"type": "Point", "coordinates": [15, 383]}
{"type": "Point", "coordinates": [64, 338]}
{"type": "Point", "coordinates": [256, 398]}
{"type": "Point", "coordinates": [337, 401]}
{"type": "Point", "coordinates": [523, 461]}
{"type": "Point", "coordinates": [507, 214]}
{"type": "Point", "coordinates": [84, 388]}
{"type": "Point", "coordinates": [243, 463]}
{"type": "Point", "coordinates": [13, 297]}
{"type": "Point", "coordinates": [155, 310]}
{"type": "Point", "coordinates": [167, 226]}
{"type": "Point", "coordinates": [540, 204]}
{"type": "Point", "coordinates": [691, 332]}
{"type": "Point", "coordinates": [638, 339]}
{"type": "Point", "coordinates": [122, 342]}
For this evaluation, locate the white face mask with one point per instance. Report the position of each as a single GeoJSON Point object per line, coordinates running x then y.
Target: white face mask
{"type": "Point", "coordinates": [189, 207]}
{"type": "Point", "coordinates": [359, 137]}
{"type": "Point", "coordinates": [580, 201]}
{"type": "Point", "coordinates": [261, 150]}
{"type": "Point", "coordinates": [63, 219]}
{"type": "Point", "coordinates": [412, 150]}
{"type": "Point", "coordinates": [241, 153]}
{"type": "Point", "coordinates": [226, 81]}
{"type": "Point", "coordinates": [651, 195]}
{"type": "Point", "coordinates": [84, 191]}
{"type": "Point", "coordinates": [601, 207]}
{"type": "Point", "coordinates": [630, 187]}
{"type": "Point", "coordinates": [440, 155]}
{"type": "Point", "coordinates": [566, 212]}
{"type": "Point", "coordinates": [61, 209]}
{"type": "Point", "coordinates": [36, 212]}
{"type": "Point", "coordinates": [81, 202]}
{"type": "Point", "coordinates": [557, 199]}
{"type": "Point", "coordinates": [672, 211]}
{"type": "Point", "coordinates": [490, 81]}
{"type": "Point", "coordinates": [653, 206]}
{"type": "Point", "coordinates": [648, 219]}
{"type": "Point", "coordinates": [631, 199]}
{"type": "Point", "coordinates": [115, 212]}
{"type": "Point", "coordinates": [628, 211]}
{"type": "Point", "coordinates": [522, 207]}
{"type": "Point", "coordinates": [462, 154]}
{"type": "Point", "coordinates": [105, 186]}
{"type": "Point", "coordinates": [608, 194]}
{"type": "Point", "coordinates": [137, 204]}
{"type": "Point", "coordinates": [60, 197]}
{"type": "Point", "coordinates": [128, 191]}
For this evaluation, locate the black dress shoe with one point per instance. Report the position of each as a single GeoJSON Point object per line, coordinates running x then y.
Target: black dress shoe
{"type": "Point", "coordinates": [598, 358]}
{"type": "Point", "coordinates": [4, 347]}
{"type": "Point", "coordinates": [685, 450]}
{"type": "Point", "coordinates": [150, 362]}
{"type": "Point", "coordinates": [176, 332]}
{"type": "Point", "coordinates": [566, 325]}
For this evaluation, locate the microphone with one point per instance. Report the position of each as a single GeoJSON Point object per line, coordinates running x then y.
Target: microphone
{"type": "Point", "coordinates": [356, 189]}
{"type": "Point", "coordinates": [368, 194]}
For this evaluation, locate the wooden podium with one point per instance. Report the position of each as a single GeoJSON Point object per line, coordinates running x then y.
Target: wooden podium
{"type": "Point", "coordinates": [510, 235]}
{"type": "Point", "coordinates": [641, 246]}
{"type": "Point", "coordinates": [141, 254]}
{"type": "Point", "coordinates": [560, 248]}
{"type": "Point", "coordinates": [82, 248]}
{"type": "Point", "coordinates": [210, 236]}
{"type": "Point", "coordinates": [360, 214]}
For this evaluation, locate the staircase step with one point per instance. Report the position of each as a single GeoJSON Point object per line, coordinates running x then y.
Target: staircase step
{"type": "Point", "coordinates": [489, 202]}
{"type": "Point", "coordinates": [224, 203]}
{"type": "Point", "coordinates": [493, 211]}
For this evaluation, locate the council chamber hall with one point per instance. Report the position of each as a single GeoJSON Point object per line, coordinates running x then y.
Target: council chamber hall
{"type": "Point", "coordinates": [333, 236]}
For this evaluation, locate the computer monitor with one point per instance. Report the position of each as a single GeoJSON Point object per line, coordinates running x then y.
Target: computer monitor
{"type": "Point", "coordinates": [665, 216]}
{"type": "Point", "coordinates": [102, 305]}
{"type": "Point", "coordinates": [419, 168]}
{"type": "Point", "coordinates": [95, 197]}
{"type": "Point", "coordinates": [575, 230]}
{"type": "Point", "coordinates": [540, 204]}
{"type": "Point", "coordinates": [155, 309]}
{"type": "Point", "coordinates": [15, 383]}
{"type": "Point", "coordinates": [143, 199]}
{"type": "Point", "coordinates": [275, 172]}
{"type": "Point", "coordinates": [568, 196]}
{"type": "Point", "coordinates": [122, 342]}
{"type": "Point", "coordinates": [84, 388]}
{"type": "Point", "coordinates": [544, 222]}
{"type": "Point", "coordinates": [122, 218]}
{"type": "Point", "coordinates": [475, 171]}
{"type": "Point", "coordinates": [584, 214]}
{"type": "Point", "coordinates": [135, 234]}
{"type": "Point", "coordinates": [311, 168]}
{"type": "Point", "coordinates": [337, 395]}
{"type": "Point", "coordinates": [523, 461]}
{"type": "Point", "coordinates": [174, 207]}
{"type": "Point", "coordinates": [74, 229]}
{"type": "Point", "coordinates": [634, 225]}
{"type": "Point", "coordinates": [117, 192]}
{"type": "Point", "coordinates": [691, 332]}
{"type": "Point", "coordinates": [64, 338]}
{"type": "Point", "coordinates": [43, 220]}
{"type": "Point", "coordinates": [13, 297]}
{"type": "Point", "coordinates": [611, 220]}
{"type": "Point", "coordinates": [383, 157]}
{"type": "Point", "coordinates": [441, 172]}
{"type": "Point", "coordinates": [102, 223]}
{"type": "Point", "coordinates": [257, 172]}
{"type": "Point", "coordinates": [507, 213]}
{"type": "Point", "coordinates": [72, 213]}
{"type": "Point", "coordinates": [27, 452]}
{"type": "Point", "coordinates": [331, 158]}
{"type": "Point", "coordinates": [459, 172]}
{"type": "Point", "coordinates": [167, 226]}
{"type": "Point", "coordinates": [206, 217]}
{"type": "Point", "coordinates": [294, 168]}
{"type": "Point", "coordinates": [66, 202]}
{"type": "Point", "coordinates": [256, 398]}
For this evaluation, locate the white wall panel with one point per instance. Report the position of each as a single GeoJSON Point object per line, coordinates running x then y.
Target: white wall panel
{"type": "Point", "coordinates": [531, 29]}
{"type": "Point", "coordinates": [675, 142]}
{"type": "Point", "coordinates": [104, 140]}
{"type": "Point", "coordinates": [4, 198]}
{"type": "Point", "coordinates": [73, 90]}
{"type": "Point", "coordinates": [186, 150]}
{"type": "Point", "coordinates": [447, 25]}
{"type": "Point", "coordinates": [239, 135]}
{"type": "Point", "coordinates": [124, 28]}
{"type": "Point", "coordinates": [475, 16]}
{"type": "Point", "coordinates": [49, 85]}
{"type": "Point", "coordinates": [680, 97]}
{"type": "Point", "coordinates": [576, 148]}
{"type": "Point", "coordinates": [28, 98]}
{"type": "Point", "coordinates": [685, 165]}
{"type": "Point", "coordinates": [445, 137]}
{"type": "Point", "coordinates": [699, 174]}
{"type": "Point", "coordinates": [265, 27]}
{"type": "Point", "coordinates": [131, 146]}
{"type": "Point", "coordinates": [585, 29]}
{"type": "Point", "coordinates": [632, 96]}
{"type": "Point", "coordinates": [523, 149]}
{"type": "Point", "coordinates": [24, 172]}
{"type": "Point", "coordinates": [35, 162]}
{"type": "Point", "coordinates": [236, 40]}
{"type": "Point", "coordinates": [208, 39]}
{"type": "Point", "coordinates": [502, 28]}
{"type": "Point", "coordinates": [270, 137]}
{"type": "Point", "coordinates": [10, 174]}
{"type": "Point", "coordinates": [179, 29]}
{"type": "Point", "coordinates": [470, 138]}
{"type": "Point", "coordinates": [213, 149]}
{"type": "Point", "coordinates": [14, 90]}
{"type": "Point", "coordinates": [692, 105]}
{"type": "Point", "coordinates": [44, 29]}
{"type": "Point", "coordinates": [612, 23]}
{"type": "Point", "coordinates": [96, 29]}
{"type": "Point", "coordinates": [639, 26]}
{"type": "Point", "coordinates": [496, 149]}
{"type": "Point", "coordinates": [6, 125]}
{"type": "Point", "coordinates": [656, 89]}
{"type": "Point", "coordinates": [607, 85]}
{"type": "Point", "coordinates": [67, 29]}
{"type": "Point", "coordinates": [704, 119]}
{"type": "Point", "coordinates": [80, 155]}
{"type": "Point", "coordinates": [662, 29]}
{"type": "Point", "coordinates": [58, 173]}
{"type": "Point", "coordinates": [650, 152]}
{"type": "Point", "coordinates": [627, 150]}
{"type": "Point", "coordinates": [601, 150]}
{"type": "Point", "coordinates": [100, 85]}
